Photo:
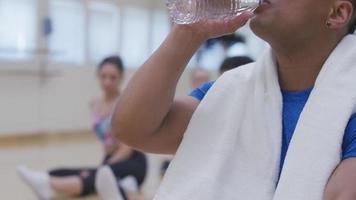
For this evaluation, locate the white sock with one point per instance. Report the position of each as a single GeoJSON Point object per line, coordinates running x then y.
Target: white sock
{"type": "Point", "coordinates": [106, 184]}
{"type": "Point", "coordinates": [38, 181]}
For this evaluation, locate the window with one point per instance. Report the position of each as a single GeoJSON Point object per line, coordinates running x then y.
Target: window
{"type": "Point", "coordinates": [135, 35]}
{"type": "Point", "coordinates": [67, 42]}
{"type": "Point", "coordinates": [18, 29]}
{"type": "Point", "coordinates": [160, 28]}
{"type": "Point", "coordinates": [104, 31]}
{"type": "Point", "coordinates": [83, 32]}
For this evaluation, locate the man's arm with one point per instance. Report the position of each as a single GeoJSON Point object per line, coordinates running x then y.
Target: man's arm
{"type": "Point", "coordinates": [147, 107]}
{"type": "Point", "coordinates": [146, 116]}
{"type": "Point", "coordinates": [342, 183]}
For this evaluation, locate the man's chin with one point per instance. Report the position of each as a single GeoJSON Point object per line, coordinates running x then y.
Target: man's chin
{"type": "Point", "coordinates": [260, 27]}
{"type": "Point", "coordinates": [257, 23]}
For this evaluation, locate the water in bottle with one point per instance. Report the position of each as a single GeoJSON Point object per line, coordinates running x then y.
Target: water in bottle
{"type": "Point", "coordinates": [191, 11]}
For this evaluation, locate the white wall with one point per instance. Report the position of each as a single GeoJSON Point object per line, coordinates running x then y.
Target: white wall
{"type": "Point", "coordinates": [59, 103]}
{"type": "Point", "coordinates": [18, 94]}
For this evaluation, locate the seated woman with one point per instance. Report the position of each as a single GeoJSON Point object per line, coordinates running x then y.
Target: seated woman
{"type": "Point", "coordinates": [127, 166]}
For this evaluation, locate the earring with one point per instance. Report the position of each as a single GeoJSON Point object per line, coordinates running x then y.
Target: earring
{"type": "Point", "coordinates": [328, 24]}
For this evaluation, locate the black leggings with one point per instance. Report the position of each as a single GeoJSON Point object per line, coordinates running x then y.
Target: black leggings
{"type": "Point", "coordinates": [135, 165]}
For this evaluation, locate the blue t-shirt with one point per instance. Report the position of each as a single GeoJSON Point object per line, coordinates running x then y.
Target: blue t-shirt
{"type": "Point", "coordinates": [293, 104]}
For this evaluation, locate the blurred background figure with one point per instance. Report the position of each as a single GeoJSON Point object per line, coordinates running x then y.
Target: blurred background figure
{"type": "Point", "coordinates": [228, 64]}
{"type": "Point", "coordinates": [49, 52]}
{"type": "Point", "coordinates": [199, 76]}
{"type": "Point", "coordinates": [234, 62]}
{"type": "Point", "coordinates": [125, 165]}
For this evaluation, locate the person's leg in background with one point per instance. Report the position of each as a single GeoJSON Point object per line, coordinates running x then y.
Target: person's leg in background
{"type": "Point", "coordinates": [107, 185]}
{"type": "Point", "coordinates": [60, 182]}
{"type": "Point", "coordinates": [69, 186]}
{"type": "Point", "coordinates": [131, 173]}
{"type": "Point", "coordinates": [122, 177]}
{"type": "Point", "coordinates": [73, 182]}
{"type": "Point", "coordinates": [135, 166]}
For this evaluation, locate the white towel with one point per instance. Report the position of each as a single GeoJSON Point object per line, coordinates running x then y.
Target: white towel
{"type": "Point", "coordinates": [231, 149]}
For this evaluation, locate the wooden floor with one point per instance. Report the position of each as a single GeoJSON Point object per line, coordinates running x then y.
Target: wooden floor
{"type": "Point", "coordinates": [43, 152]}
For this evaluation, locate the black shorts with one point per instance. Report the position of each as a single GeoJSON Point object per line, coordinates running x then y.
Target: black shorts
{"type": "Point", "coordinates": [135, 166]}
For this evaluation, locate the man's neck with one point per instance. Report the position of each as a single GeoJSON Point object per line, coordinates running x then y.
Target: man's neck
{"type": "Point", "coordinates": [299, 67]}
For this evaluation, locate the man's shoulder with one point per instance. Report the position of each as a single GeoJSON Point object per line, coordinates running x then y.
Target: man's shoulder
{"type": "Point", "coordinates": [349, 140]}
{"type": "Point", "coordinates": [351, 126]}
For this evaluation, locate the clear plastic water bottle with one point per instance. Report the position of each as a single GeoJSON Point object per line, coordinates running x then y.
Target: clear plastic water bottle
{"type": "Point", "coordinates": [191, 11]}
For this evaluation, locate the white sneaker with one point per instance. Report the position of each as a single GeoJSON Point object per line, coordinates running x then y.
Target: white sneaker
{"type": "Point", "coordinates": [129, 184]}
{"type": "Point", "coordinates": [106, 184]}
{"type": "Point", "coordinates": [38, 181]}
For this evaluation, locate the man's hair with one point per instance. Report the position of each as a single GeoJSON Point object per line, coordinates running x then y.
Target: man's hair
{"type": "Point", "coordinates": [353, 22]}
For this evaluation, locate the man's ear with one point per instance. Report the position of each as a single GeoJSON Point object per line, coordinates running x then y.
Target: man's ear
{"type": "Point", "coordinates": [341, 14]}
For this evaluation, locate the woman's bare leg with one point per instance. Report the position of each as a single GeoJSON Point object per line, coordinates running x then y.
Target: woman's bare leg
{"type": "Point", "coordinates": [69, 186]}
